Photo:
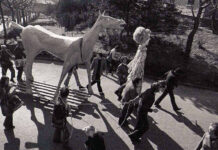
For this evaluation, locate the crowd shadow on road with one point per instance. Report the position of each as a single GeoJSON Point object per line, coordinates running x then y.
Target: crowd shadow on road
{"type": "Point", "coordinates": [110, 107]}
{"type": "Point", "coordinates": [160, 138]}
{"type": "Point", "coordinates": [45, 130]}
{"type": "Point", "coordinates": [182, 119]}
{"type": "Point", "coordinates": [13, 142]}
{"type": "Point", "coordinates": [201, 99]}
{"type": "Point", "coordinates": [112, 139]}
{"type": "Point", "coordinates": [155, 135]}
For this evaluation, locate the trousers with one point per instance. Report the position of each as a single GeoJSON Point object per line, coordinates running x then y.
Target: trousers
{"type": "Point", "coordinates": [126, 112]}
{"type": "Point", "coordinates": [140, 128]}
{"type": "Point", "coordinates": [5, 69]}
{"type": "Point", "coordinates": [172, 98]}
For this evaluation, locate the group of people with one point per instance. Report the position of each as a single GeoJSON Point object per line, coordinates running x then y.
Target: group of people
{"type": "Point", "coordinates": [130, 94]}
{"type": "Point", "coordinates": [7, 57]}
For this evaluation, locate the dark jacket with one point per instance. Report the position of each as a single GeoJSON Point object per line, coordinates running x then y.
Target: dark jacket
{"type": "Point", "coordinates": [95, 143]}
{"type": "Point", "coordinates": [5, 58]}
{"type": "Point", "coordinates": [19, 53]}
{"type": "Point", "coordinates": [171, 80]}
{"type": "Point", "coordinates": [60, 113]}
{"type": "Point", "coordinates": [146, 101]}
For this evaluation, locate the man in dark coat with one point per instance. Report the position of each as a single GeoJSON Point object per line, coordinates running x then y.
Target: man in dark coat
{"type": "Point", "coordinates": [171, 82]}
{"type": "Point", "coordinates": [6, 61]}
{"type": "Point", "coordinates": [130, 92]}
{"type": "Point", "coordinates": [19, 60]}
{"type": "Point", "coordinates": [145, 102]}
{"type": "Point", "coordinates": [59, 118]}
{"type": "Point", "coordinates": [98, 66]}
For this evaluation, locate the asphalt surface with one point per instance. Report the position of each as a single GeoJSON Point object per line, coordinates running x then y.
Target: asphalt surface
{"type": "Point", "coordinates": [168, 130]}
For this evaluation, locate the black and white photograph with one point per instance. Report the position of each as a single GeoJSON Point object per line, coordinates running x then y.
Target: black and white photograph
{"type": "Point", "coordinates": [108, 74]}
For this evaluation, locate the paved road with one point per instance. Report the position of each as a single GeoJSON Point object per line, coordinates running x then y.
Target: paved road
{"type": "Point", "coordinates": [168, 131]}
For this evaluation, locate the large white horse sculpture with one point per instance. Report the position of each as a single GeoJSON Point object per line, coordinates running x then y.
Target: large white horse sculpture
{"type": "Point", "coordinates": [72, 50]}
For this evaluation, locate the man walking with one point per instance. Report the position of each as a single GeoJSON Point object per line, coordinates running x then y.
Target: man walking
{"type": "Point", "coordinates": [19, 59]}
{"type": "Point", "coordinates": [145, 102]}
{"type": "Point", "coordinates": [98, 67]}
{"type": "Point", "coordinates": [171, 82]}
{"type": "Point", "coordinates": [6, 62]}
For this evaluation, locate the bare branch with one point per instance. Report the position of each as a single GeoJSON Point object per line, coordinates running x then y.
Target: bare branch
{"type": "Point", "coordinates": [205, 5]}
{"type": "Point", "coordinates": [193, 13]}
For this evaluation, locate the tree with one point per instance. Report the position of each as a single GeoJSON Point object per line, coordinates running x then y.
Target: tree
{"type": "Point", "coordinates": [10, 5]}
{"type": "Point", "coordinates": [213, 18]}
{"type": "Point", "coordinates": [3, 22]}
{"type": "Point", "coordinates": [153, 14]}
{"type": "Point", "coordinates": [202, 5]}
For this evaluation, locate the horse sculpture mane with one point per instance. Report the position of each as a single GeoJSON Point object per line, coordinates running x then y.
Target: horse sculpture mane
{"type": "Point", "coordinates": [72, 50]}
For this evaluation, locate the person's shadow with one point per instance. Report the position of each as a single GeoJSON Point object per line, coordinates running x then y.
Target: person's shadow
{"type": "Point", "coordinates": [45, 129]}
{"type": "Point", "coordinates": [181, 118]}
{"type": "Point", "coordinates": [13, 142]}
{"type": "Point", "coordinates": [110, 107]}
{"type": "Point", "coordinates": [161, 139]}
{"type": "Point", "coordinates": [112, 140]}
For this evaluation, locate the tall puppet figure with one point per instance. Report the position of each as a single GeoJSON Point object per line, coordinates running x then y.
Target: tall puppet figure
{"type": "Point", "coordinates": [136, 67]}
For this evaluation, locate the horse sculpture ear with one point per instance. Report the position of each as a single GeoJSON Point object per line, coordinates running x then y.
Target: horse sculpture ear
{"type": "Point", "coordinates": [99, 12]}
{"type": "Point", "coordinates": [103, 13]}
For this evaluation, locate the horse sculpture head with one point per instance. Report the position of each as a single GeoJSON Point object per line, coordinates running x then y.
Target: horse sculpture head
{"type": "Point", "coordinates": [14, 30]}
{"type": "Point", "coordinates": [110, 22]}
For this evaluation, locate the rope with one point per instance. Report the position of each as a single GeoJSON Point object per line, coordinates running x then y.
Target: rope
{"type": "Point", "coordinates": [125, 117]}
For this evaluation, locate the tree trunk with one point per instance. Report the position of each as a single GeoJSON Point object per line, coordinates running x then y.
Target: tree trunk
{"type": "Point", "coordinates": [191, 36]}
{"type": "Point", "coordinates": [213, 22]}
{"type": "Point", "coordinates": [3, 22]}
{"type": "Point", "coordinates": [26, 16]}
{"type": "Point", "coordinates": [23, 16]}
{"type": "Point", "coordinates": [127, 17]}
{"type": "Point", "coordinates": [17, 14]}
{"type": "Point", "coordinates": [13, 14]}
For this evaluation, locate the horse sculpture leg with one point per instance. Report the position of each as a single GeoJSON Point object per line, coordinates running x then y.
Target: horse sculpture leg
{"type": "Point", "coordinates": [89, 78]}
{"type": "Point", "coordinates": [77, 78]}
{"type": "Point", "coordinates": [28, 72]}
{"type": "Point", "coordinates": [65, 70]}
{"type": "Point", "coordinates": [69, 75]}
